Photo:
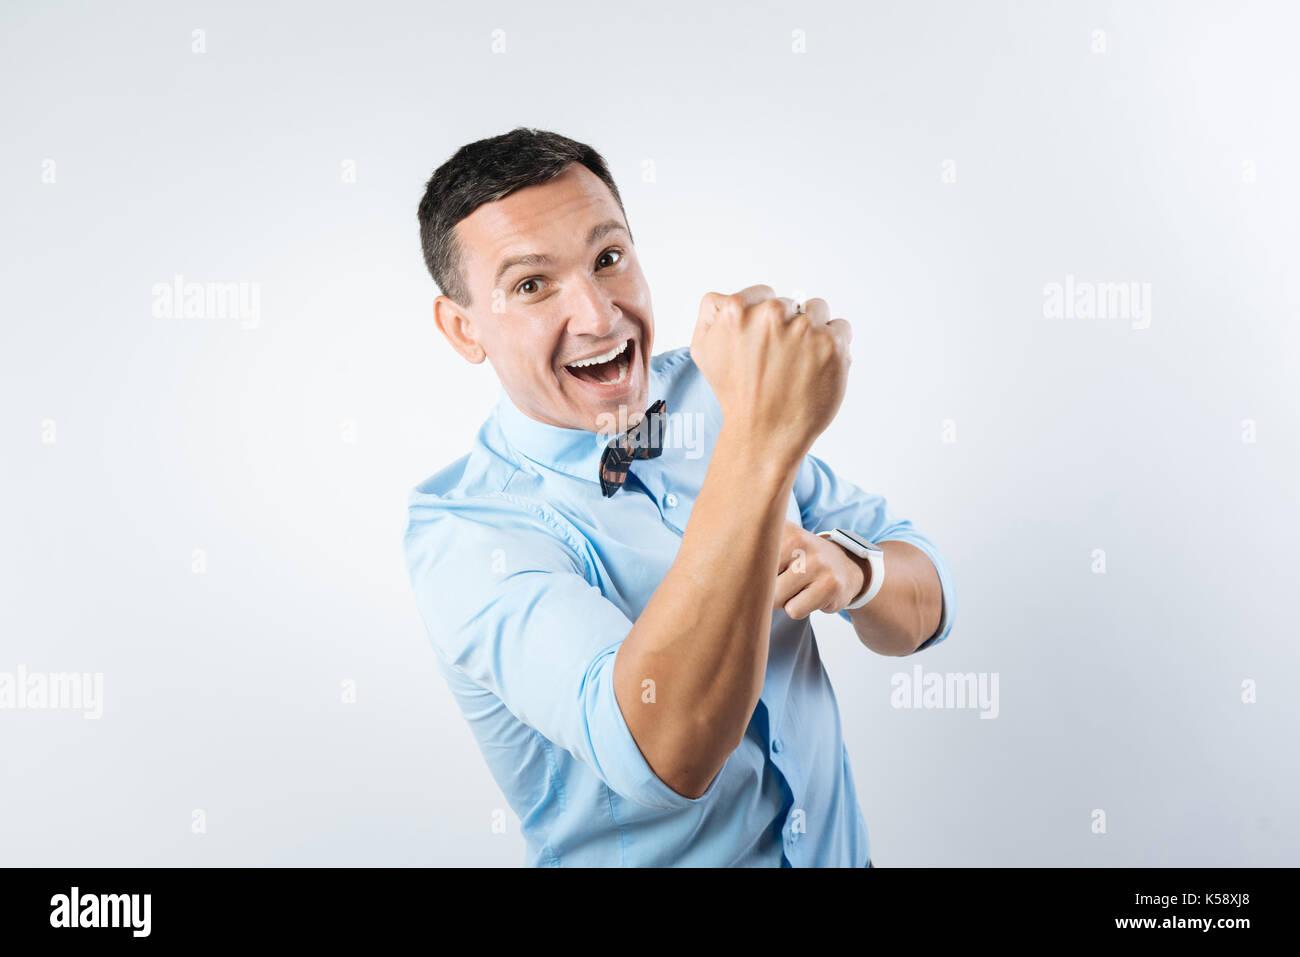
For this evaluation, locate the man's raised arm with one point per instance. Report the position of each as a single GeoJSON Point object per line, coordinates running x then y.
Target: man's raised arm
{"type": "Point", "coordinates": [703, 636]}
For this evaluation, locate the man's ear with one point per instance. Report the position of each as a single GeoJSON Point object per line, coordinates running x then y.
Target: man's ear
{"type": "Point", "coordinates": [453, 323]}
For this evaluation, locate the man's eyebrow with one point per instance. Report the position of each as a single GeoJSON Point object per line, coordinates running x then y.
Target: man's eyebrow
{"type": "Point", "coordinates": [540, 259]}
{"type": "Point", "coordinates": [532, 259]}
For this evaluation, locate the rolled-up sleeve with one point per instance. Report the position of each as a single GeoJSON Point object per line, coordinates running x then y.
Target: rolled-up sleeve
{"type": "Point", "coordinates": [506, 600]}
{"type": "Point", "coordinates": [827, 501]}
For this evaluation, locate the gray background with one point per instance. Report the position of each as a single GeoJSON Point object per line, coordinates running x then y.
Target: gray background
{"type": "Point", "coordinates": [818, 173]}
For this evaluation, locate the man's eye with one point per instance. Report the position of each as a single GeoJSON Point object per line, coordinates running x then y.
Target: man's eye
{"type": "Point", "coordinates": [616, 253]}
{"type": "Point", "coordinates": [521, 288]}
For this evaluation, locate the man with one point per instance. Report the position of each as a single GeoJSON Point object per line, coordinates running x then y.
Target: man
{"type": "Point", "coordinates": [618, 592]}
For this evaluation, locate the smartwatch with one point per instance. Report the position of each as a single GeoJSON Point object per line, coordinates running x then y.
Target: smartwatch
{"type": "Point", "coordinates": [875, 556]}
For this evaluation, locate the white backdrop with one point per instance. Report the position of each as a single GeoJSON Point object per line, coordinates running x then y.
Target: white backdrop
{"type": "Point", "coordinates": [206, 512]}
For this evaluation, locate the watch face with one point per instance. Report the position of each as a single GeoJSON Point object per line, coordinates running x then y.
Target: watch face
{"type": "Point", "coordinates": [857, 539]}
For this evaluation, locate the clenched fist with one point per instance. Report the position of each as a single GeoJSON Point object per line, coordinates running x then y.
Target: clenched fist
{"type": "Point", "coordinates": [779, 375]}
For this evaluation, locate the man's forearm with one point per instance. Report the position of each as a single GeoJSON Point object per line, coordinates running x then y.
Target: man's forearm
{"type": "Point", "coordinates": [909, 606]}
{"type": "Point", "coordinates": [703, 636]}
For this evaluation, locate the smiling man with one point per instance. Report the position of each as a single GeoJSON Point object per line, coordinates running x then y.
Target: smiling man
{"type": "Point", "coordinates": [625, 625]}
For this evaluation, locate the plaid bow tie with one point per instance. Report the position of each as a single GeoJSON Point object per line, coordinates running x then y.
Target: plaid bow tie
{"type": "Point", "coordinates": [643, 441]}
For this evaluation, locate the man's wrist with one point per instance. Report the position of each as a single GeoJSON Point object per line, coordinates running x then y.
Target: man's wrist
{"type": "Point", "coordinates": [869, 559]}
{"type": "Point", "coordinates": [865, 567]}
{"type": "Point", "coordinates": [772, 464]}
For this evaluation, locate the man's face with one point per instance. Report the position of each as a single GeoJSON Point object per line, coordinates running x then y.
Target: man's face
{"type": "Point", "coordinates": [554, 280]}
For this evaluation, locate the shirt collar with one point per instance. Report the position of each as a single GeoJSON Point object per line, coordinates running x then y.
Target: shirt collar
{"type": "Point", "coordinates": [575, 452]}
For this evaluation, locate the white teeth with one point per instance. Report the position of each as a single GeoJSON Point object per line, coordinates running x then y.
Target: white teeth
{"type": "Point", "coordinates": [597, 360]}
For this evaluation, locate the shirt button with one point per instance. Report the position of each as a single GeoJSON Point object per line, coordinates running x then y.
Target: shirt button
{"type": "Point", "coordinates": [777, 745]}
{"type": "Point", "coordinates": [670, 500]}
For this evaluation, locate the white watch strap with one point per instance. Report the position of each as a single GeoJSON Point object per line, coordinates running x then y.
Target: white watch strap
{"type": "Point", "coordinates": [875, 559]}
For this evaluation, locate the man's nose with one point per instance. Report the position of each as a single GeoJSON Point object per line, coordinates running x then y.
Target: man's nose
{"type": "Point", "coordinates": [590, 311]}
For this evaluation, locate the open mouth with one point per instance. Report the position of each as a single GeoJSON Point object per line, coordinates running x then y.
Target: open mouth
{"type": "Point", "coordinates": [608, 369]}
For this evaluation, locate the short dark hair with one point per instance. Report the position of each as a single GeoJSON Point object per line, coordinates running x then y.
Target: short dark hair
{"type": "Point", "coordinates": [483, 172]}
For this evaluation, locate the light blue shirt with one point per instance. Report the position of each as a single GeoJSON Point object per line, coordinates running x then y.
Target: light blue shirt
{"type": "Point", "coordinates": [529, 579]}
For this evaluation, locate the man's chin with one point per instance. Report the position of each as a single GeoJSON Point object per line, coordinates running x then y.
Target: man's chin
{"type": "Point", "coordinates": [614, 416]}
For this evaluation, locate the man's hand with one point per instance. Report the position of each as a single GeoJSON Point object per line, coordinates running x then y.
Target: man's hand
{"type": "Point", "coordinates": [814, 574]}
{"type": "Point", "coordinates": [778, 375]}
